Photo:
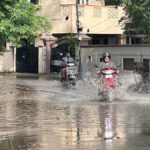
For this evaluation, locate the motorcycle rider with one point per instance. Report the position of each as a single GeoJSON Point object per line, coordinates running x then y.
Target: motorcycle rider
{"type": "Point", "coordinates": [106, 82]}
{"type": "Point", "coordinates": [65, 60]}
{"type": "Point", "coordinates": [106, 62]}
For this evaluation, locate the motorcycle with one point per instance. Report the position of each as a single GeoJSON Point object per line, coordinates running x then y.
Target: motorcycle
{"type": "Point", "coordinates": [71, 74]}
{"type": "Point", "coordinates": [108, 82]}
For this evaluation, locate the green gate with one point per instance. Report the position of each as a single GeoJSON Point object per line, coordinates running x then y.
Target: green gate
{"type": "Point", "coordinates": [56, 57]}
{"type": "Point", "coordinates": [27, 59]}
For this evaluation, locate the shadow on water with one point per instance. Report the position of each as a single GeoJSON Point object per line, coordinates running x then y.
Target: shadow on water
{"type": "Point", "coordinates": [19, 142]}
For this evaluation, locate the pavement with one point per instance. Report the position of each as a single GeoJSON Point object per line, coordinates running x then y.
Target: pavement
{"type": "Point", "coordinates": [53, 76]}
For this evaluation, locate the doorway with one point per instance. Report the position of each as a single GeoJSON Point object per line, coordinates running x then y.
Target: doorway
{"type": "Point", "coordinates": [27, 59]}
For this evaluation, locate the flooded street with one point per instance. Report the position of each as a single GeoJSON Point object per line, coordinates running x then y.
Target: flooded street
{"type": "Point", "coordinates": [40, 114]}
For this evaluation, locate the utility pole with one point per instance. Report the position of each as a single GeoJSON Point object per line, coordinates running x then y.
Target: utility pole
{"type": "Point", "coordinates": [78, 32]}
{"type": "Point", "coordinates": [78, 52]}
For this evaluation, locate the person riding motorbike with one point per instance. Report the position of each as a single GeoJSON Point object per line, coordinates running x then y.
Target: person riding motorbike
{"type": "Point", "coordinates": [106, 63]}
{"type": "Point", "coordinates": [65, 60]}
{"type": "Point", "coordinates": [107, 81]}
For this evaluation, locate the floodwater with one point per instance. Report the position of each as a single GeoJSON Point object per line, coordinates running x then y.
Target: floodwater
{"type": "Point", "coordinates": [41, 114]}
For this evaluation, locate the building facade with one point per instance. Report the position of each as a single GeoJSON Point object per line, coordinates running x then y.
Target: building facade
{"type": "Point", "coordinates": [129, 56]}
{"type": "Point", "coordinates": [97, 20]}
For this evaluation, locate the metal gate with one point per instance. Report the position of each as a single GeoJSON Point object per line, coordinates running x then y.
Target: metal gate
{"type": "Point", "coordinates": [56, 56]}
{"type": "Point", "coordinates": [27, 59]}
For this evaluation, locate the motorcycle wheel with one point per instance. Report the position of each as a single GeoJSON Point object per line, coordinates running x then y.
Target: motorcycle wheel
{"type": "Point", "coordinates": [108, 96]}
{"type": "Point", "coordinates": [72, 82]}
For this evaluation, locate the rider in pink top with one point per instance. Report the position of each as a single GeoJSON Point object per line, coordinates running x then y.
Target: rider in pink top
{"type": "Point", "coordinates": [107, 63]}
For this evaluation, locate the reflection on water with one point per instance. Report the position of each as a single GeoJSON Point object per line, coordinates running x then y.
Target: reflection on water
{"type": "Point", "coordinates": [19, 142]}
{"type": "Point", "coordinates": [108, 122]}
{"type": "Point", "coordinates": [40, 115]}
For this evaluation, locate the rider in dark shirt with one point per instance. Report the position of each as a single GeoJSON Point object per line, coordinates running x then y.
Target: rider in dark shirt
{"type": "Point", "coordinates": [65, 60]}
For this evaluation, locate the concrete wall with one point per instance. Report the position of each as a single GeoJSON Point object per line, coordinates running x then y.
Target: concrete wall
{"type": "Point", "coordinates": [6, 61]}
{"type": "Point", "coordinates": [91, 55]}
{"type": "Point", "coordinates": [42, 60]}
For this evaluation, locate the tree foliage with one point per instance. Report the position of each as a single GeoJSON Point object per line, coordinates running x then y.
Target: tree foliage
{"type": "Point", "coordinates": [71, 42]}
{"type": "Point", "coordinates": [137, 18]}
{"type": "Point", "coordinates": [19, 23]}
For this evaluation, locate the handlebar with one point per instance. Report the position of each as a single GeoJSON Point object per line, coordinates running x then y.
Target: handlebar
{"type": "Point", "coordinates": [106, 71]}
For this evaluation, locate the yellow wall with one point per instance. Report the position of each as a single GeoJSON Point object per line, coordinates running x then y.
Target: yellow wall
{"type": "Point", "coordinates": [6, 61]}
{"type": "Point", "coordinates": [96, 17]}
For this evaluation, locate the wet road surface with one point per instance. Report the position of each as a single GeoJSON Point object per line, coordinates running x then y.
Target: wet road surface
{"type": "Point", "coordinates": [40, 114]}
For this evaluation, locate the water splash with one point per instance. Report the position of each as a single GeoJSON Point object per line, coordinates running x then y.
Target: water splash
{"type": "Point", "coordinates": [126, 88]}
{"type": "Point", "coordinates": [87, 89]}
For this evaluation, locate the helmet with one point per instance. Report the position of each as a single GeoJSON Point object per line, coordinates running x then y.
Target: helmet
{"type": "Point", "coordinates": [106, 54]}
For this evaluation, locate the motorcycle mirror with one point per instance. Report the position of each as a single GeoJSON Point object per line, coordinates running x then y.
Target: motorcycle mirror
{"type": "Point", "coordinates": [118, 65]}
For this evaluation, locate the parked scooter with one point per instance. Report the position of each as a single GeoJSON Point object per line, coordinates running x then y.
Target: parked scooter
{"type": "Point", "coordinates": [71, 74]}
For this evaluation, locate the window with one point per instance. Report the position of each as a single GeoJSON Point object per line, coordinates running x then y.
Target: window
{"type": "Point", "coordinates": [97, 12]}
{"type": "Point", "coordinates": [112, 12]}
{"type": "Point", "coordinates": [136, 40]}
{"type": "Point", "coordinates": [101, 59]}
{"type": "Point", "coordinates": [105, 42]}
{"type": "Point", "coordinates": [34, 1]}
{"type": "Point", "coordinates": [112, 2]}
{"type": "Point", "coordinates": [65, 10]}
{"type": "Point", "coordinates": [81, 11]}
{"type": "Point", "coordinates": [83, 2]}
{"type": "Point", "coordinates": [100, 41]}
{"type": "Point", "coordinates": [146, 65]}
{"type": "Point", "coordinates": [95, 41]}
{"type": "Point", "coordinates": [128, 64]}
{"type": "Point", "coordinates": [90, 59]}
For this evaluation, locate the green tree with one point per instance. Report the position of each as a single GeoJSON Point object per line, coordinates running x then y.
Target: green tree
{"type": "Point", "coordinates": [137, 18]}
{"type": "Point", "coordinates": [19, 23]}
{"type": "Point", "coordinates": [71, 42]}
